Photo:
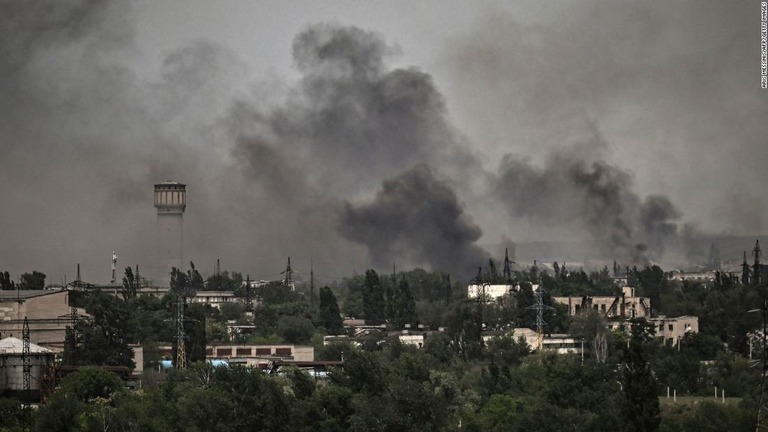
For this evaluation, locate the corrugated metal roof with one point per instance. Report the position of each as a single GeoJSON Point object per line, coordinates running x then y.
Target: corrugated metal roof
{"type": "Point", "coordinates": [12, 345]}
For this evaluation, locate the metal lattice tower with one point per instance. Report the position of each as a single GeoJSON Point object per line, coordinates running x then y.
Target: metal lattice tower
{"type": "Point", "coordinates": [540, 308]}
{"type": "Point", "coordinates": [181, 352]}
{"type": "Point", "coordinates": [288, 281]}
{"type": "Point", "coordinates": [478, 280]}
{"type": "Point", "coordinates": [507, 266]}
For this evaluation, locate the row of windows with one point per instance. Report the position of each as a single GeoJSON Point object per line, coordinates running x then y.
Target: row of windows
{"type": "Point", "coordinates": [170, 197]}
{"type": "Point", "coordinates": [241, 352]}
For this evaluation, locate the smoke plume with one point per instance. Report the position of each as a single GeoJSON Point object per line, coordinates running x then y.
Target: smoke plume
{"type": "Point", "coordinates": [418, 218]}
{"type": "Point", "coordinates": [577, 191]}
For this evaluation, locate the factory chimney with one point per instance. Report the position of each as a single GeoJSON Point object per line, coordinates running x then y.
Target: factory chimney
{"type": "Point", "coordinates": [170, 201]}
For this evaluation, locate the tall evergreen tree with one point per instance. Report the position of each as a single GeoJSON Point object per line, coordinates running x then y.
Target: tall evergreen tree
{"type": "Point", "coordinates": [640, 407]}
{"type": "Point", "coordinates": [6, 283]}
{"type": "Point", "coordinates": [328, 313]}
{"type": "Point", "coordinates": [404, 306]}
{"type": "Point", "coordinates": [130, 284]}
{"type": "Point", "coordinates": [374, 306]}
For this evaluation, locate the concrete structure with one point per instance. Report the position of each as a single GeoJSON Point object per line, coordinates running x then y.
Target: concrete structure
{"type": "Point", "coordinates": [215, 298]}
{"type": "Point", "coordinates": [407, 338]}
{"type": "Point", "coordinates": [170, 201]}
{"type": "Point", "coordinates": [48, 313]}
{"type": "Point", "coordinates": [557, 343]}
{"type": "Point", "coordinates": [627, 305]}
{"type": "Point", "coordinates": [12, 367]}
{"type": "Point", "coordinates": [492, 292]}
{"type": "Point", "coordinates": [251, 355]}
{"type": "Point", "coordinates": [673, 330]}
{"type": "Point", "coordinates": [703, 276]}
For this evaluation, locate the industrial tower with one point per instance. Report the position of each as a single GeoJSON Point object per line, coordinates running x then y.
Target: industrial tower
{"type": "Point", "coordinates": [170, 201]}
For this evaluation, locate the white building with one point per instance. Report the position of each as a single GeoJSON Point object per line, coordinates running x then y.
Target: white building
{"type": "Point", "coordinates": [492, 292]}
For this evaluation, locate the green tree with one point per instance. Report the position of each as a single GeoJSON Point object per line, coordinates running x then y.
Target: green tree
{"type": "Point", "coordinates": [130, 284]}
{"type": "Point", "coordinates": [90, 383]}
{"type": "Point", "coordinates": [295, 329]}
{"type": "Point", "coordinates": [374, 306]}
{"type": "Point", "coordinates": [102, 337]}
{"type": "Point", "coordinates": [194, 328]}
{"type": "Point", "coordinates": [6, 283]}
{"type": "Point", "coordinates": [32, 281]}
{"type": "Point", "coordinates": [404, 307]}
{"type": "Point", "coordinates": [329, 315]}
{"type": "Point", "coordinates": [640, 408]}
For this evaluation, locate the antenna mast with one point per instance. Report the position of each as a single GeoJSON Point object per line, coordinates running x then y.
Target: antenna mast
{"type": "Point", "coordinates": [114, 265]}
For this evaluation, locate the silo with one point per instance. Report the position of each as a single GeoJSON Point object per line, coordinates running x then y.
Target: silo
{"type": "Point", "coordinates": [170, 201]}
{"type": "Point", "coordinates": [12, 367]}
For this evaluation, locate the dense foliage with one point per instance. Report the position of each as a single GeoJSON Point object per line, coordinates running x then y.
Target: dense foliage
{"type": "Point", "coordinates": [456, 381]}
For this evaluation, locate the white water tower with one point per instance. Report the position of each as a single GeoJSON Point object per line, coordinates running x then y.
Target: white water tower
{"type": "Point", "coordinates": [170, 201]}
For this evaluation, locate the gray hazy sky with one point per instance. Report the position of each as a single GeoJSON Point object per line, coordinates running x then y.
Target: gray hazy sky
{"type": "Point", "coordinates": [629, 123]}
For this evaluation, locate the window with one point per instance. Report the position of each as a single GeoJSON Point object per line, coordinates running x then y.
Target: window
{"type": "Point", "coordinates": [671, 327]}
{"type": "Point", "coordinates": [243, 351]}
{"type": "Point", "coordinates": [221, 352]}
{"type": "Point", "coordinates": [283, 351]}
{"type": "Point", "coordinates": [263, 351]}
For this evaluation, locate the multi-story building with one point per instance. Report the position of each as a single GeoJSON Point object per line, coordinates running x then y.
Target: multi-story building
{"type": "Point", "coordinates": [626, 305]}
{"type": "Point", "coordinates": [673, 330]}
{"type": "Point", "coordinates": [47, 311]}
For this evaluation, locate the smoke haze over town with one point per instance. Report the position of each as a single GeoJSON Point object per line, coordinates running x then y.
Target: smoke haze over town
{"type": "Point", "coordinates": [362, 135]}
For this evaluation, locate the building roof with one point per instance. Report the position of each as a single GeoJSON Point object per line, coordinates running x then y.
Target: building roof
{"type": "Point", "coordinates": [7, 295]}
{"type": "Point", "coordinates": [12, 345]}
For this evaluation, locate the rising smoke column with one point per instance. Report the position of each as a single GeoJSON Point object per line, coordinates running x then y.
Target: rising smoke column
{"type": "Point", "coordinates": [418, 218]}
{"type": "Point", "coordinates": [577, 189]}
{"type": "Point", "coordinates": [350, 123]}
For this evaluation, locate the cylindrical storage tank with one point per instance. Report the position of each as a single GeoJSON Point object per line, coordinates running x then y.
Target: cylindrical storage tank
{"type": "Point", "coordinates": [12, 367]}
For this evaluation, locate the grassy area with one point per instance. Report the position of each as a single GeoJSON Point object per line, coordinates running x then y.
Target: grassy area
{"type": "Point", "coordinates": [688, 400]}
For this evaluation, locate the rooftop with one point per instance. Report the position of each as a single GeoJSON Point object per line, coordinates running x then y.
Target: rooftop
{"type": "Point", "coordinates": [12, 345]}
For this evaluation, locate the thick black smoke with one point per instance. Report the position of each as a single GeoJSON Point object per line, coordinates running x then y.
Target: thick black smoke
{"type": "Point", "coordinates": [351, 122]}
{"type": "Point", "coordinates": [418, 218]}
{"type": "Point", "coordinates": [576, 189]}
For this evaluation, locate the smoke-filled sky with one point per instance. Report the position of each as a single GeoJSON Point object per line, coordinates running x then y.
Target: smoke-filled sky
{"type": "Point", "coordinates": [365, 134]}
